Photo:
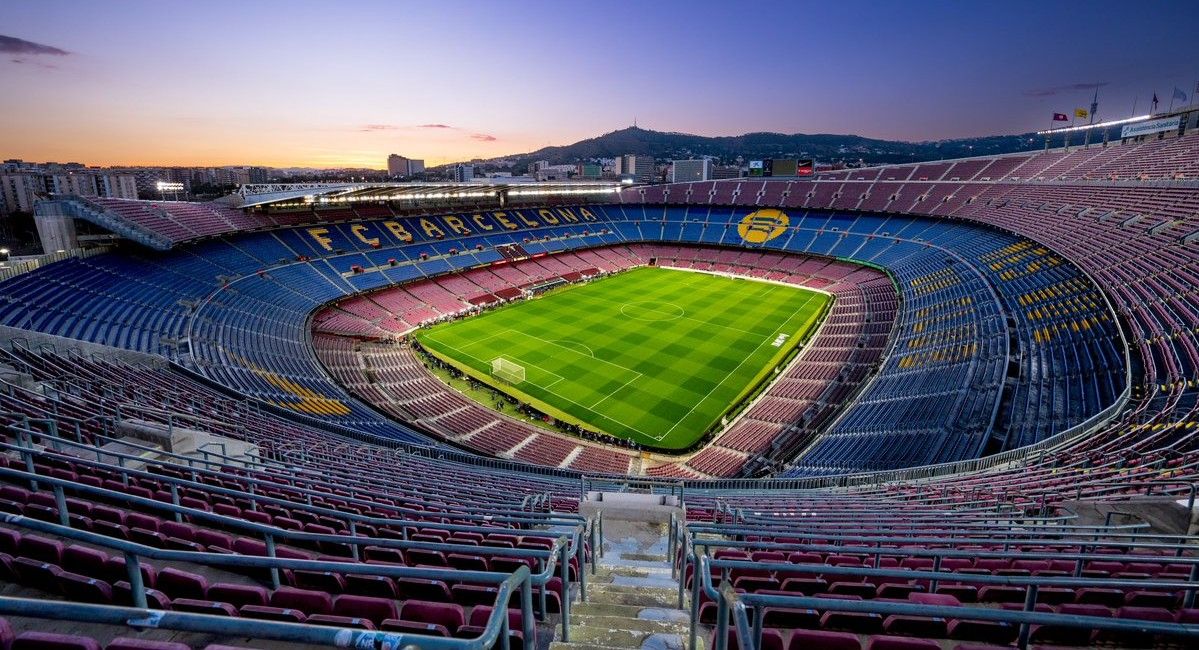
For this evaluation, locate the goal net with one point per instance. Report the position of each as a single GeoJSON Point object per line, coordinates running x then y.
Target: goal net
{"type": "Point", "coordinates": [508, 371]}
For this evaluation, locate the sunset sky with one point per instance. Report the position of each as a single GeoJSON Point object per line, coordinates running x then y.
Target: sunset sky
{"type": "Point", "coordinates": [330, 84]}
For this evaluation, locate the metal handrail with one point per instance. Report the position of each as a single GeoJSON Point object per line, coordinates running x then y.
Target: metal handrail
{"type": "Point", "coordinates": [52, 425]}
{"type": "Point", "coordinates": [482, 514]}
{"type": "Point", "coordinates": [1025, 618]}
{"type": "Point", "coordinates": [132, 552]}
{"type": "Point", "coordinates": [313, 635]}
{"type": "Point", "coordinates": [563, 547]}
{"type": "Point", "coordinates": [685, 550]}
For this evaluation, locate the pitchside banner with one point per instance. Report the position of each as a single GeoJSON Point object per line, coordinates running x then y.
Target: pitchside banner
{"type": "Point", "coordinates": [1151, 126]}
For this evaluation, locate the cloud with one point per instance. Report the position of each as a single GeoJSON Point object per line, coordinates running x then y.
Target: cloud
{"type": "Point", "coordinates": [377, 128]}
{"type": "Point", "coordinates": [1055, 90]}
{"type": "Point", "coordinates": [11, 45]}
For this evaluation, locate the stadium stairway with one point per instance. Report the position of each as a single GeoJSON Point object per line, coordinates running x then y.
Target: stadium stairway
{"type": "Point", "coordinates": [632, 601]}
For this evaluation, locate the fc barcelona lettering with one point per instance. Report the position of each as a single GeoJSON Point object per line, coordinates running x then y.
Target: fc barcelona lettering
{"type": "Point", "coordinates": [429, 228]}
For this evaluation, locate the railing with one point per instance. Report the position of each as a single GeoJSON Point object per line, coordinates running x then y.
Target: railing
{"type": "Point", "coordinates": [14, 267]}
{"type": "Point", "coordinates": [726, 597]}
{"type": "Point", "coordinates": [632, 484]}
{"type": "Point", "coordinates": [737, 606]}
{"type": "Point", "coordinates": [142, 616]}
{"type": "Point", "coordinates": [564, 546]}
{"type": "Point", "coordinates": [188, 463]}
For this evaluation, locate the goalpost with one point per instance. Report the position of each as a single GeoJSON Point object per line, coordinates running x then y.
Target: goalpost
{"type": "Point", "coordinates": [503, 369]}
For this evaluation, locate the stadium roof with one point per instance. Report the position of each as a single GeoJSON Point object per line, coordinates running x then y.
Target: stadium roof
{"type": "Point", "coordinates": [249, 196]}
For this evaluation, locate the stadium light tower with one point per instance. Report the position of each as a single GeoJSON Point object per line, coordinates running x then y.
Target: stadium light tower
{"type": "Point", "coordinates": [167, 187]}
{"type": "Point", "coordinates": [3, 254]}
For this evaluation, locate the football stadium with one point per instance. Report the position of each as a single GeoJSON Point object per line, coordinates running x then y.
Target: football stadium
{"type": "Point", "coordinates": [948, 404]}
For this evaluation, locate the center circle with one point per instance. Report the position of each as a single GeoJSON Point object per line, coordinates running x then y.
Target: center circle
{"type": "Point", "coordinates": [648, 310]}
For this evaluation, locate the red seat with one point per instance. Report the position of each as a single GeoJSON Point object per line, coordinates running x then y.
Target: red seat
{"type": "Point", "coordinates": [122, 594]}
{"type": "Point", "coordinates": [771, 640]}
{"type": "Point", "coordinates": [922, 626]}
{"type": "Point", "coordinates": [83, 589]}
{"type": "Point", "coordinates": [36, 547]}
{"type": "Point", "coordinates": [333, 583]}
{"type": "Point", "coordinates": [900, 643]}
{"type": "Point", "coordinates": [81, 559]}
{"type": "Point", "coordinates": [125, 643]}
{"type": "Point", "coordinates": [199, 606]}
{"type": "Point", "coordinates": [305, 600]}
{"type": "Point", "coordinates": [447, 615]}
{"type": "Point", "coordinates": [812, 639]}
{"type": "Point", "coordinates": [373, 609]}
{"type": "Point", "coordinates": [52, 641]}
{"type": "Point", "coordinates": [353, 622]}
{"type": "Point", "coordinates": [1132, 638]}
{"type": "Point", "coordinates": [423, 589]}
{"type": "Point", "coordinates": [33, 573]}
{"type": "Point", "coordinates": [182, 584]}
{"type": "Point", "coordinates": [1065, 634]}
{"type": "Point", "coordinates": [370, 585]}
{"type": "Point", "coordinates": [272, 613]}
{"type": "Point", "coordinates": [238, 595]}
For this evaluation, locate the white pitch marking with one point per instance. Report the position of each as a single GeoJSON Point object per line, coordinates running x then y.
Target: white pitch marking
{"type": "Point", "coordinates": [730, 374]}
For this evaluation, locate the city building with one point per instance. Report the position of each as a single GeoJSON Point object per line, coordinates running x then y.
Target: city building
{"type": "Point", "coordinates": [553, 172]}
{"type": "Point", "coordinates": [463, 173]}
{"type": "Point", "coordinates": [117, 186]}
{"type": "Point", "coordinates": [691, 170]}
{"type": "Point", "coordinates": [638, 168]}
{"type": "Point", "coordinates": [79, 184]}
{"type": "Point", "coordinates": [589, 171]}
{"type": "Point", "coordinates": [400, 167]}
{"type": "Point", "coordinates": [19, 190]}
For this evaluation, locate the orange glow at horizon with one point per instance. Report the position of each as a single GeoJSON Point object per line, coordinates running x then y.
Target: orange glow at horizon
{"type": "Point", "coordinates": [197, 144]}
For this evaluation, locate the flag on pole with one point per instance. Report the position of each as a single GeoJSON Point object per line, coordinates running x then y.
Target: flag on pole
{"type": "Point", "coordinates": [1081, 113]}
{"type": "Point", "coordinates": [1155, 100]}
{"type": "Point", "coordinates": [1061, 117]}
{"type": "Point", "coordinates": [1179, 95]}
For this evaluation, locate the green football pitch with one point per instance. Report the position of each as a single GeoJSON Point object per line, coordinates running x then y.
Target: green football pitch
{"type": "Point", "coordinates": [655, 356]}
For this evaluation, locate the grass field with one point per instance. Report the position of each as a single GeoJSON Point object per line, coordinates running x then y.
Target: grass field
{"type": "Point", "coordinates": [652, 355]}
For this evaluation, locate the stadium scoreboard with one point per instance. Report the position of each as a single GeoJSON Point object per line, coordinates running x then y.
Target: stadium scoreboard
{"type": "Point", "coordinates": [782, 167]}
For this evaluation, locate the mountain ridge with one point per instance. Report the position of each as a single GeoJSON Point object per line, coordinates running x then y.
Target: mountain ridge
{"type": "Point", "coordinates": [824, 147]}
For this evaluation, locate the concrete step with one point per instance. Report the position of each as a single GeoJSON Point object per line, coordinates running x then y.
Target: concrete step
{"type": "Point", "coordinates": [606, 570]}
{"type": "Point", "coordinates": [645, 625]}
{"type": "Point", "coordinates": [650, 612]}
{"type": "Point", "coordinates": [592, 608]}
{"type": "Point", "coordinates": [637, 557]}
{"type": "Point", "coordinates": [626, 562]}
{"type": "Point", "coordinates": [652, 642]}
{"type": "Point", "coordinates": [632, 595]}
{"type": "Point", "coordinates": [613, 637]}
{"type": "Point", "coordinates": [649, 582]}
